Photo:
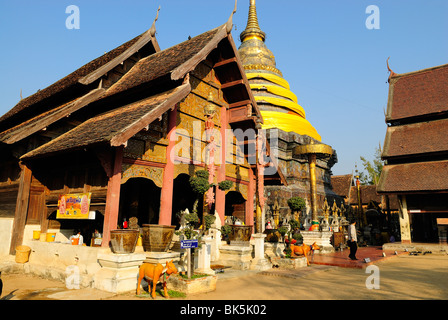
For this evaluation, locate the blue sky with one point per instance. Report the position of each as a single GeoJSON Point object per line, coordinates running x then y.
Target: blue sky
{"type": "Point", "coordinates": [334, 64]}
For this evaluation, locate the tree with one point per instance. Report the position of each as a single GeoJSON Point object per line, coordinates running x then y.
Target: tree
{"type": "Point", "coordinates": [372, 169]}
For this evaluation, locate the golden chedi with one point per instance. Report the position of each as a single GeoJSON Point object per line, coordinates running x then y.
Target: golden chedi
{"type": "Point", "coordinates": [278, 104]}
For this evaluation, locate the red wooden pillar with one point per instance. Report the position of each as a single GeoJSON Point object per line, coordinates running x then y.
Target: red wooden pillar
{"type": "Point", "coordinates": [220, 194]}
{"type": "Point", "coordinates": [113, 197]}
{"type": "Point", "coordinates": [21, 212]}
{"type": "Point", "coordinates": [166, 196]}
{"type": "Point", "coordinates": [250, 200]}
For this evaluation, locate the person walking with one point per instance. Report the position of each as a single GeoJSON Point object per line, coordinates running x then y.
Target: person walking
{"type": "Point", "coordinates": [352, 240]}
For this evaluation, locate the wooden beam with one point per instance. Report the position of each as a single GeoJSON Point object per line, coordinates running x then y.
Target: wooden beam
{"type": "Point", "coordinates": [232, 84]}
{"type": "Point", "coordinates": [140, 43]}
{"type": "Point", "coordinates": [23, 198]}
{"type": "Point", "coordinates": [225, 62]}
{"type": "Point", "coordinates": [113, 198]}
{"type": "Point", "coordinates": [190, 64]}
{"type": "Point", "coordinates": [239, 104]}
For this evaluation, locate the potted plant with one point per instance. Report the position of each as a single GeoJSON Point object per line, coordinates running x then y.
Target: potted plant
{"type": "Point", "coordinates": [225, 231]}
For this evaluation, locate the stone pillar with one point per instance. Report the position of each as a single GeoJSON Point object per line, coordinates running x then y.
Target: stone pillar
{"type": "Point", "coordinates": [215, 234]}
{"type": "Point", "coordinates": [237, 257]}
{"type": "Point", "coordinates": [405, 226]}
{"type": "Point", "coordinates": [321, 238]}
{"type": "Point", "coordinates": [259, 262]}
{"type": "Point", "coordinates": [204, 256]}
{"type": "Point", "coordinates": [119, 272]}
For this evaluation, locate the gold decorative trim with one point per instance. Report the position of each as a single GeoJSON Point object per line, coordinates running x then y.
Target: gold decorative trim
{"type": "Point", "coordinates": [262, 67]}
{"type": "Point", "coordinates": [137, 171]}
{"type": "Point", "coordinates": [314, 149]}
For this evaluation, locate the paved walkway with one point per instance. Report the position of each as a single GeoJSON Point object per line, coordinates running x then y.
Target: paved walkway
{"type": "Point", "coordinates": [333, 270]}
{"type": "Point", "coordinates": [341, 259]}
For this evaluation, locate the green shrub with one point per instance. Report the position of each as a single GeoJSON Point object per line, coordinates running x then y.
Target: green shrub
{"type": "Point", "coordinates": [225, 185]}
{"type": "Point", "coordinates": [208, 221]}
{"type": "Point", "coordinates": [282, 230]}
{"type": "Point", "coordinates": [226, 229]}
{"type": "Point", "coordinates": [202, 174]}
{"type": "Point", "coordinates": [294, 224]}
{"type": "Point", "coordinates": [296, 203]}
{"type": "Point", "coordinates": [199, 185]}
{"type": "Point", "coordinates": [297, 236]}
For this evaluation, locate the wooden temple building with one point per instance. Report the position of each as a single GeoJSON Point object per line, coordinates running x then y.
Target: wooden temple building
{"type": "Point", "coordinates": [416, 152]}
{"type": "Point", "coordinates": [126, 130]}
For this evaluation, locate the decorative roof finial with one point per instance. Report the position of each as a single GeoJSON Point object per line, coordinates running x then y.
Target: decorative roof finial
{"type": "Point", "coordinates": [230, 21]}
{"type": "Point", "coordinates": [390, 70]}
{"type": "Point", "coordinates": [252, 28]}
{"type": "Point", "coordinates": [153, 27]}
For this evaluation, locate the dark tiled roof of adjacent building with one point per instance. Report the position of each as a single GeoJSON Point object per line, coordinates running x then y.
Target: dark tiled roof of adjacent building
{"type": "Point", "coordinates": [368, 193]}
{"type": "Point", "coordinates": [341, 184]}
{"type": "Point", "coordinates": [416, 138]}
{"type": "Point", "coordinates": [416, 146]}
{"type": "Point", "coordinates": [414, 177]}
{"type": "Point", "coordinates": [418, 93]}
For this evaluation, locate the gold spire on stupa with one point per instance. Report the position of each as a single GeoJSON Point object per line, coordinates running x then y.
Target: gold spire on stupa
{"type": "Point", "coordinates": [252, 28]}
{"type": "Point", "coordinates": [278, 105]}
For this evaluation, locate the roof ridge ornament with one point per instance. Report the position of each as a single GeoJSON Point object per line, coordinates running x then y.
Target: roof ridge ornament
{"type": "Point", "coordinates": [153, 27]}
{"type": "Point", "coordinates": [390, 70]}
{"type": "Point", "coordinates": [229, 24]}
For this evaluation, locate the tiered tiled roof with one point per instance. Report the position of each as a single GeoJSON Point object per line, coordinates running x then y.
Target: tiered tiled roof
{"type": "Point", "coordinates": [341, 185]}
{"type": "Point", "coordinates": [106, 128]}
{"type": "Point", "coordinates": [416, 144]}
{"type": "Point", "coordinates": [419, 93]}
{"type": "Point", "coordinates": [34, 105]}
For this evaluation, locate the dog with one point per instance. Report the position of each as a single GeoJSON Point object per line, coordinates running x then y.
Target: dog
{"type": "Point", "coordinates": [303, 250]}
{"type": "Point", "coordinates": [155, 273]}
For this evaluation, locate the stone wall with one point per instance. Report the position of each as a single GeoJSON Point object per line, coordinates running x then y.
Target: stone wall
{"type": "Point", "coordinates": [296, 172]}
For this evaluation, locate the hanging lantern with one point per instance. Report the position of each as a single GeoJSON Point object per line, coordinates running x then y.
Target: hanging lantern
{"type": "Point", "coordinates": [210, 107]}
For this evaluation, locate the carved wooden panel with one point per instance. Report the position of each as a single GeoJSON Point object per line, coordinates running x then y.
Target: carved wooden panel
{"type": "Point", "coordinates": [129, 171]}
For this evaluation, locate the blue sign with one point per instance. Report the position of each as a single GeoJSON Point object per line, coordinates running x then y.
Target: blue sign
{"type": "Point", "coordinates": [188, 244]}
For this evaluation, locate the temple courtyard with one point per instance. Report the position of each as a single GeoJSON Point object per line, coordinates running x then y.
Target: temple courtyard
{"type": "Point", "coordinates": [402, 276]}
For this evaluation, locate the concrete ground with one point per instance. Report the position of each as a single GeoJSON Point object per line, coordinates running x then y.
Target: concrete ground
{"type": "Point", "coordinates": [403, 277]}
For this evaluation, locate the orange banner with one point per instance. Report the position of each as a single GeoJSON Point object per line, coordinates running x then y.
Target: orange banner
{"type": "Point", "coordinates": [74, 206]}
